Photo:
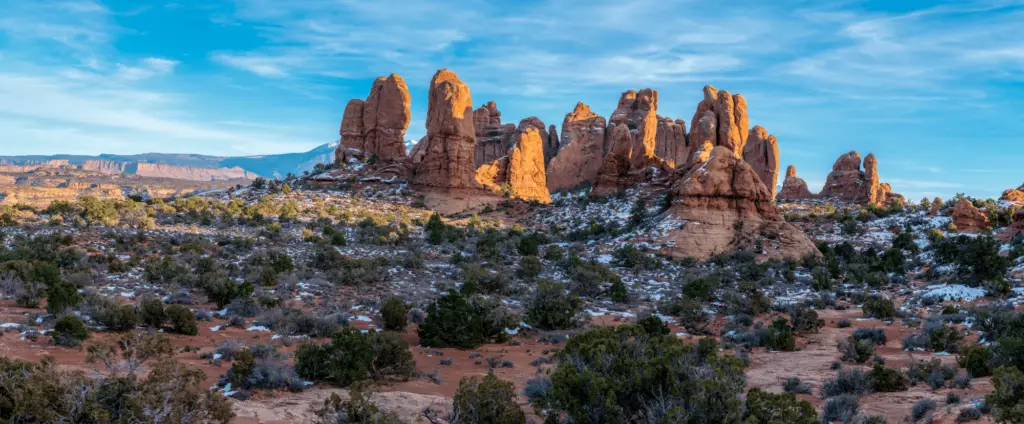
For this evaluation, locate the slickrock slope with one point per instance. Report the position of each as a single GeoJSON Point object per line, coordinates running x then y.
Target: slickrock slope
{"type": "Point", "coordinates": [155, 170]}
{"type": "Point", "coordinates": [848, 183]}
{"type": "Point", "coordinates": [582, 150]}
{"type": "Point", "coordinates": [670, 141]}
{"type": "Point", "coordinates": [762, 153]}
{"type": "Point", "coordinates": [722, 206]}
{"type": "Point", "coordinates": [449, 149]}
{"type": "Point", "coordinates": [968, 219]}
{"type": "Point", "coordinates": [492, 138]}
{"type": "Point", "coordinates": [521, 173]}
{"type": "Point", "coordinates": [631, 141]}
{"type": "Point", "coordinates": [794, 187]}
{"type": "Point", "coordinates": [377, 126]}
{"type": "Point", "coordinates": [722, 119]}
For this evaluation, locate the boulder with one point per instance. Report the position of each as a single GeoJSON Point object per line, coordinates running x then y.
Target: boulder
{"type": "Point", "coordinates": [670, 141]}
{"type": "Point", "coordinates": [377, 126]}
{"type": "Point", "coordinates": [521, 173]}
{"type": "Point", "coordinates": [631, 140]}
{"type": "Point", "coordinates": [762, 153]}
{"type": "Point", "coordinates": [449, 149]}
{"type": "Point", "coordinates": [581, 152]}
{"type": "Point", "coordinates": [722, 206]}
{"type": "Point", "coordinates": [936, 204]}
{"type": "Point", "coordinates": [969, 219]}
{"type": "Point", "coordinates": [793, 187]}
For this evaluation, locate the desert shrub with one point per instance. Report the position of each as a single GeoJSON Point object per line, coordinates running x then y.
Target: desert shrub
{"type": "Point", "coordinates": [454, 320]}
{"type": "Point", "coordinates": [115, 317]}
{"type": "Point", "coordinates": [588, 277]}
{"type": "Point", "coordinates": [629, 256]}
{"type": "Point", "coordinates": [618, 292]}
{"type": "Point", "coordinates": [689, 313]}
{"type": "Point", "coordinates": [700, 288]}
{"type": "Point", "coordinates": [975, 259]}
{"type": "Point", "coordinates": [1007, 397]}
{"type": "Point", "coordinates": [875, 335]}
{"type": "Point", "coordinates": [151, 311]}
{"type": "Point", "coordinates": [60, 296]}
{"type": "Point", "coordinates": [244, 307]}
{"type": "Point", "coordinates": [487, 401]}
{"type": "Point", "coordinates": [291, 321]}
{"type": "Point", "coordinates": [653, 326]}
{"type": "Point", "coordinates": [554, 252]}
{"type": "Point", "coordinates": [934, 372]}
{"type": "Point", "coordinates": [538, 388]}
{"type": "Point", "coordinates": [795, 385]}
{"type": "Point", "coordinates": [843, 323]}
{"type": "Point", "coordinates": [805, 320]}
{"type": "Point", "coordinates": [183, 321]}
{"type": "Point", "coordinates": [976, 359]}
{"type": "Point", "coordinates": [609, 374]}
{"type": "Point", "coordinates": [878, 307]}
{"type": "Point", "coordinates": [858, 351]}
{"type": "Point", "coordinates": [921, 408]}
{"type": "Point", "coordinates": [846, 382]}
{"type": "Point", "coordinates": [764, 407]}
{"type": "Point", "coordinates": [944, 338]}
{"type": "Point", "coordinates": [952, 398]}
{"type": "Point", "coordinates": [529, 267]}
{"type": "Point", "coordinates": [841, 408]}
{"type": "Point", "coordinates": [358, 408]}
{"type": "Point", "coordinates": [352, 356]}
{"type": "Point", "coordinates": [395, 314]}
{"type": "Point", "coordinates": [259, 370]}
{"type": "Point", "coordinates": [69, 331]}
{"type": "Point", "coordinates": [228, 348]}
{"type": "Point", "coordinates": [888, 379]}
{"type": "Point", "coordinates": [551, 308]}
{"type": "Point", "coordinates": [780, 336]}
{"type": "Point", "coordinates": [969, 414]}
{"type": "Point", "coordinates": [223, 290]}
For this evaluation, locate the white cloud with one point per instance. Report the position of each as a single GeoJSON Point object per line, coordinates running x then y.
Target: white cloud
{"type": "Point", "coordinates": [148, 68]}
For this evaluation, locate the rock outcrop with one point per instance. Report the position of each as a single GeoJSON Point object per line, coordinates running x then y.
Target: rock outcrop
{"type": "Point", "coordinates": [377, 125]}
{"type": "Point", "coordinates": [794, 187]}
{"type": "Point", "coordinates": [722, 206]}
{"type": "Point", "coordinates": [521, 174]}
{"type": "Point", "coordinates": [670, 141]}
{"type": "Point", "coordinates": [109, 167]}
{"type": "Point", "coordinates": [445, 157]}
{"type": "Point", "coordinates": [548, 135]}
{"type": "Point", "coordinates": [762, 153]}
{"type": "Point", "coordinates": [551, 145]}
{"type": "Point", "coordinates": [1013, 195]}
{"type": "Point", "coordinates": [936, 205]}
{"type": "Point", "coordinates": [631, 140]}
{"type": "Point", "coordinates": [582, 150]}
{"type": "Point", "coordinates": [156, 170]}
{"type": "Point", "coordinates": [492, 138]}
{"type": "Point", "coordinates": [848, 183]}
{"type": "Point", "coordinates": [1015, 230]}
{"type": "Point", "coordinates": [722, 119]}
{"type": "Point", "coordinates": [969, 219]}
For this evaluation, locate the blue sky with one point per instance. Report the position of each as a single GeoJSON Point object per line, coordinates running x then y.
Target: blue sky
{"type": "Point", "coordinates": [934, 90]}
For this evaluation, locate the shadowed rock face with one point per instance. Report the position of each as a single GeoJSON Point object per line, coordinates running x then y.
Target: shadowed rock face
{"type": "Point", "coordinates": [721, 206]}
{"type": "Point", "coordinates": [762, 153]}
{"type": "Point", "coordinates": [377, 125]}
{"type": "Point", "coordinates": [492, 138]}
{"type": "Point", "coordinates": [445, 158]}
{"type": "Point", "coordinates": [670, 141]}
{"type": "Point", "coordinates": [794, 187]}
{"type": "Point", "coordinates": [968, 219]}
{"type": "Point", "coordinates": [581, 152]}
{"type": "Point", "coordinates": [521, 173]}
{"type": "Point", "coordinates": [631, 140]}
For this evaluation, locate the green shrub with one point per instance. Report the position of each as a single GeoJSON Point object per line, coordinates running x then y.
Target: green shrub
{"type": "Point", "coordinates": [846, 382]}
{"type": "Point", "coordinates": [529, 267]}
{"type": "Point", "coordinates": [223, 290]}
{"type": "Point", "coordinates": [358, 408]}
{"type": "Point", "coordinates": [610, 374]}
{"type": "Point", "coordinates": [780, 336]}
{"type": "Point", "coordinates": [653, 326]}
{"type": "Point", "coordinates": [183, 321]}
{"type": "Point", "coordinates": [878, 307]}
{"type": "Point", "coordinates": [858, 351]}
{"type": "Point", "coordinates": [116, 317]}
{"type": "Point", "coordinates": [454, 320]}
{"type": "Point", "coordinates": [69, 331]}
{"type": "Point", "coordinates": [618, 292]}
{"type": "Point", "coordinates": [395, 314]}
{"type": "Point", "coordinates": [486, 401]}
{"type": "Point", "coordinates": [1007, 397]}
{"type": "Point", "coordinates": [60, 296]}
{"type": "Point", "coordinates": [151, 311]}
{"type": "Point", "coordinates": [551, 308]}
{"type": "Point", "coordinates": [764, 407]}
{"type": "Point", "coordinates": [530, 245]}
{"type": "Point", "coordinates": [699, 288]}
{"type": "Point", "coordinates": [242, 367]}
{"type": "Point", "coordinates": [805, 320]}
{"type": "Point", "coordinates": [888, 379]}
{"type": "Point", "coordinates": [352, 356]}
{"type": "Point", "coordinates": [976, 360]}
{"type": "Point", "coordinates": [553, 252]}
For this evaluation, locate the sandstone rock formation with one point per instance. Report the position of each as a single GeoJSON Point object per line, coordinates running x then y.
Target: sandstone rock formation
{"type": "Point", "coordinates": [793, 187]}
{"type": "Point", "coordinates": [936, 204]}
{"type": "Point", "coordinates": [1015, 230]}
{"type": "Point", "coordinates": [848, 183]}
{"type": "Point", "coordinates": [631, 140]}
{"type": "Point", "coordinates": [1014, 195]}
{"type": "Point", "coordinates": [377, 126]}
{"type": "Point", "coordinates": [548, 135]}
{"type": "Point", "coordinates": [551, 145]}
{"type": "Point", "coordinates": [722, 119]}
{"type": "Point", "coordinates": [968, 219]}
{"type": "Point", "coordinates": [492, 138]}
{"type": "Point", "coordinates": [762, 153]}
{"type": "Point", "coordinates": [722, 206]}
{"type": "Point", "coordinates": [445, 158]}
{"type": "Point", "coordinates": [109, 167]}
{"type": "Point", "coordinates": [670, 141]}
{"type": "Point", "coordinates": [582, 150]}
{"type": "Point", "coordinates": [521, 173]}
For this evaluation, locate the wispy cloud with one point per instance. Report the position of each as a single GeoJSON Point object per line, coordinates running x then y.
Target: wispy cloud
{"type": "Point", "coordinates": [148, 68]}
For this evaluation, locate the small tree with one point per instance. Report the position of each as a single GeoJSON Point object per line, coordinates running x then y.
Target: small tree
{"type": "Point", "coordinates": [483, 401]}
{"type": "Point", "coordinates": [183, 321]}
{"type": "Point", "coordinates": [151, 310]}
{"type": "Point", "coordinates": [352, 356]}
{"type": "Point", "coordinates": [455, 320]}
{"type": "Point", "coordinates": [764, 407]}
{"type": "Point", "coordinates": [60, 296]}
{"type": "Point", "coordinates": [69, 331]}
{"type": "Point", "coordinates": [1007, 397]}
{"type": "Point", "coordinates": [395, 314]}
{"type": "Point", "coordinates": [551, 308]}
